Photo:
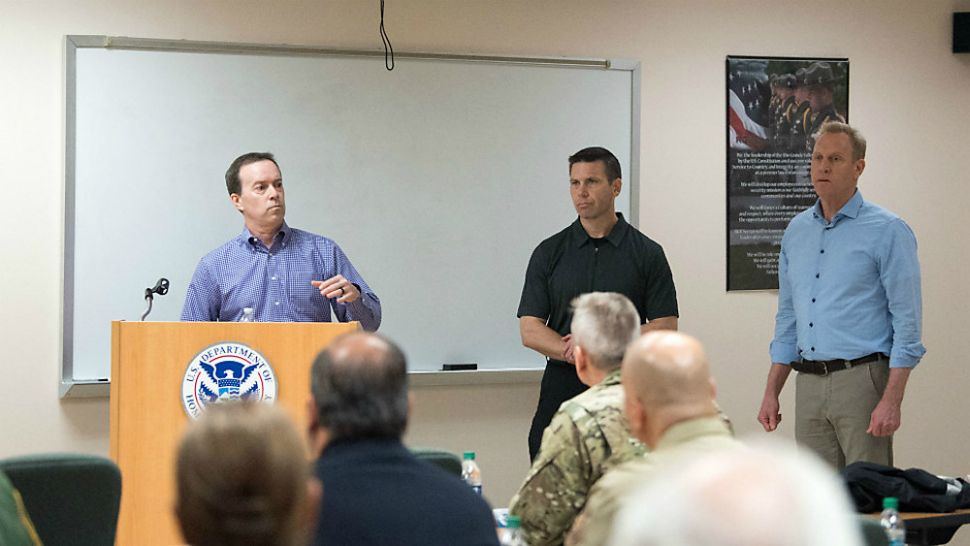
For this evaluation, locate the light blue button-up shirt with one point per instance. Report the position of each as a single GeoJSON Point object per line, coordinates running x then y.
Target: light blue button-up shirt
{"type": "Point", "coordinates": [848, 288]}
{"type": "Point", "coordinates": [275, 282]}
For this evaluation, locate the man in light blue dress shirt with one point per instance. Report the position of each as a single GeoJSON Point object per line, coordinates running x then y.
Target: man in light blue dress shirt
{"type": "Point", "coordinates": [283, 274]}
{"type": "Point", "coordinates": [849, 312]}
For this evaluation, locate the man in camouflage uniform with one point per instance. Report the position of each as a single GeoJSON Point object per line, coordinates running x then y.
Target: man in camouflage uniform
{"type": "Point", "coordinates": [820, 80]}
{"type": "Point", "coordinates": [670, 406]}
{"type": "Point", "coordinates": [589, 433]}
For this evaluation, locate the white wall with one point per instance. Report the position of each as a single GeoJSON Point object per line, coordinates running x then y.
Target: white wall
{"type": "Point", "coordinates": [908, 93]}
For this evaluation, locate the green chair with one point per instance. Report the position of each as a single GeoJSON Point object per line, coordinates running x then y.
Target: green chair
{"type": "Point", "coordinates": [72, 499]}
{"type": "Point", "coordinates": [445, 460]}
{"type": "Point", "coordinates": [16, 529]}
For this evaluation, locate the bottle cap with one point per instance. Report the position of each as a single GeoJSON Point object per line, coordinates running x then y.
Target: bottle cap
{"type": "Point", "coordinates": [513, 522]}
{"type": "Point", "coordinates": [469, 456]}
{"type": "Point", "coordinates": [890, 502]}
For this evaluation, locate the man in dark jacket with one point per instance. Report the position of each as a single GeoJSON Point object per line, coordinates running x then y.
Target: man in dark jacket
{"type": "Point", "coordinates": [374, 490]}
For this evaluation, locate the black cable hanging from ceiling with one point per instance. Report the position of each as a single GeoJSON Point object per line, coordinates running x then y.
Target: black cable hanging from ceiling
{"type": "Point", "coordinates": [388, 48]}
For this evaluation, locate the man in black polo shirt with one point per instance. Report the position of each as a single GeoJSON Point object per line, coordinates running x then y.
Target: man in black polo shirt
{"type": "Point", "coordinates": [601, 252]}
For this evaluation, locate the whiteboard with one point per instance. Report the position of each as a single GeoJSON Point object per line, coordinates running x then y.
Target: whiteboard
{"type": "Point", "coordinates": [437, 179]}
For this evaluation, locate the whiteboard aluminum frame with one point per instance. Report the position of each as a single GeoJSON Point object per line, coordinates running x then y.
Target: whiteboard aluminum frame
{"type": "Point", "coordinates": [71, 387]}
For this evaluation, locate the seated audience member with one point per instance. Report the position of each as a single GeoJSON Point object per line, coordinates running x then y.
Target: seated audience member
{"type": "Point", "coordinates": [670, 407]}
{"type": "Point", "coordinates": [588, 434]}
{"type": "Point", "coordinates": [765, 496]}
{"type": "Point", "coordinates": [16, 529]}
{"type": "Point", "coordinates": [375, 492]}
{"type": "Point", "coordinates": [242, 478]}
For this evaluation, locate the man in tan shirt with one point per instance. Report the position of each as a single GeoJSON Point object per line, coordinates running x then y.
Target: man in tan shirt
{"type": "Point", "coordinates": [670, 407]}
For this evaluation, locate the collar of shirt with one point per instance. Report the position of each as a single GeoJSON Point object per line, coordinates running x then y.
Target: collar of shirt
{"type": "Point", "coordinates": [580, 237]}
{"type": "Point", "coordinates": [612, 378]}
{"type": "Point", "coordinates": [685, 431]}
{"type": "Point", "coordinates": [341, 445]}
{"type": "Point", "coordinates": [848, 210]}
{"type": "Point", "coordinates": [248, 240]}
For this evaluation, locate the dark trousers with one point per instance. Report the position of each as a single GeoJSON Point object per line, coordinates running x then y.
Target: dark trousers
{"type": "Point", "coordinates": [559, 383]}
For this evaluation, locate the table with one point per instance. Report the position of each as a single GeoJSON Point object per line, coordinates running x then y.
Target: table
{"type": "Point", "coordinates": [928, 529]}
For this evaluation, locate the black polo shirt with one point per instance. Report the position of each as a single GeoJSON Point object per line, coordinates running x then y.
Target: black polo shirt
{"type": "Point", "coordinates": [569, 264]}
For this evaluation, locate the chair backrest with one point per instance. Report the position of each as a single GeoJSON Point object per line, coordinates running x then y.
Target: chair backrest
{"type": "Point", "coordinates": [445, 460]}
{"type": "Point", "coordinates": [72, 499]}
{"type": "Point", "coordinates": [16, 529]}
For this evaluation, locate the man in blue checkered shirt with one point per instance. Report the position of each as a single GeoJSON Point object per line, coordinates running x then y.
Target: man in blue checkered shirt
{"type": "Point", "coordinates": [283, 274]}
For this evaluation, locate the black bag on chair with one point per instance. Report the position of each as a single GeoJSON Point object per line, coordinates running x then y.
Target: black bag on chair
{"type": "Point", "coordinates": [916, 489]}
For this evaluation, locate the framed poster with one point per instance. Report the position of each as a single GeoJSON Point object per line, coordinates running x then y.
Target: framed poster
{"type": "Point", "coordinates": [774, 106]}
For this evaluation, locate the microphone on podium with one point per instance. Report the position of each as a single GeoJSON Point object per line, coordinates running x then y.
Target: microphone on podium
{"type": "Point", "coordinates": [160, 288]}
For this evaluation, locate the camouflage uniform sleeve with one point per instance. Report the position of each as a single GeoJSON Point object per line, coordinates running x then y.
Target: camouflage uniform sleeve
{"type": "Point", "coordinates": [556, 487]}
{"type": "Point", "coordinates": [593, 525]}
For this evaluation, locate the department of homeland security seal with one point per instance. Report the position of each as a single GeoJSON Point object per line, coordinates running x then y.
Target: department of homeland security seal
{"type": "Point", "coordinates": [226, 371]}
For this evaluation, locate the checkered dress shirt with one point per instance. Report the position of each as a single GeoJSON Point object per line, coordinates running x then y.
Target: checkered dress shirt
{"type": "Point", "coordinates": [275, 282]}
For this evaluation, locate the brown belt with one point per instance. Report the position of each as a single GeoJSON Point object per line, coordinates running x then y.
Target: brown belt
{"type": "Point", "coordinates": [825, 367]}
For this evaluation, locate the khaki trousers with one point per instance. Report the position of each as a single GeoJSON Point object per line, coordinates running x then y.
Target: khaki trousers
{"type": "Point", "coordinates": [832, 414]}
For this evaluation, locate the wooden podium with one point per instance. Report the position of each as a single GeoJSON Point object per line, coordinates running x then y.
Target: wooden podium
{"type": "Point", "coordinates": [148, 364]}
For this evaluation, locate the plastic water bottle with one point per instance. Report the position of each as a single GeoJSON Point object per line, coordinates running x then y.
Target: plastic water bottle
{"type": "Point", "coordinates": [249, 315]}
{"type": "Point", "coordinates": [470, 472]}
{"type": "Point", "coordinates": [891, 523]}
{"type": "Point", "coordinates": [513, 532]}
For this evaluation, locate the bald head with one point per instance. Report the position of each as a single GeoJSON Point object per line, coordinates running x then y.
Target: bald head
{"type": "Point", "coordinates": [767, 496]}
{"type": "Point", "coordinates": [667, 369]}
{"type": "Point", "coordinates": [359, 387]}
{"type": "Point", "coordinates": [358, 349]}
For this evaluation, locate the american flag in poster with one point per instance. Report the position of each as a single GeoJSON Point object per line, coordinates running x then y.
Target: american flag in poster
{"type": "Point", "coordinates": [748, 96]}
